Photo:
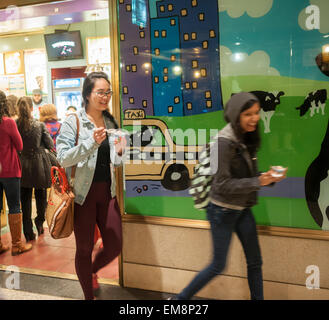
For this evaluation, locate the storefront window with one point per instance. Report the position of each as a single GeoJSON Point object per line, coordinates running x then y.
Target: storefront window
{"type": "Point", "coordinates": [199, 53]}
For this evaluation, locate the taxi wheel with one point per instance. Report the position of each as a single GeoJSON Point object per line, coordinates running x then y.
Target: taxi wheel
{"type": "Point", "coordinates": [176, 178]}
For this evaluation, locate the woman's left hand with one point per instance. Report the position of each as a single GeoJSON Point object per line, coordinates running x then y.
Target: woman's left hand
{"type": "Point", "coordinates": [120, 145]}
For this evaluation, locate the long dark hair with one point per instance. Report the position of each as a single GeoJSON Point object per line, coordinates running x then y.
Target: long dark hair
{"type": "Point", "coordinates": [252, 139]}
{"type": "Point", "coordinates": [3, 105]}
{"type": "Point", "coordinates": [88, 86]}
{"type": "Point", "coordinates": [24, 105]}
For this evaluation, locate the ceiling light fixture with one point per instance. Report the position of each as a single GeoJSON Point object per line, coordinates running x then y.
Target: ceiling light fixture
{"type": "Point", "coordinates": [98, 67]}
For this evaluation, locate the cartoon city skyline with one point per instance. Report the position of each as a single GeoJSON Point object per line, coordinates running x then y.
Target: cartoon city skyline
{"type": "Point", "coordinates": [175, 53]}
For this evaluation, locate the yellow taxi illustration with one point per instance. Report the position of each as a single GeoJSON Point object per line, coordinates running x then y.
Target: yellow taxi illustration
{"type": "Point", "coordinates": [152, 154]}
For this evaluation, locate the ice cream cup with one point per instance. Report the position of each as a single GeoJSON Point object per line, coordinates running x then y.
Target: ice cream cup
{"type": "Point", "coordinates": [278, 171]}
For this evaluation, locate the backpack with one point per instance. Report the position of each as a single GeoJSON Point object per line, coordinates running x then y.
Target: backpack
{"type": "Point", "coordinates": [202, 178]}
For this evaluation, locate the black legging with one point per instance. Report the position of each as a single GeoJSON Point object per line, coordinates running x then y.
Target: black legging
{"type": "Point", "coordinates": [41, 204]}
{"type": "Point", "coordinates": [96, 210]}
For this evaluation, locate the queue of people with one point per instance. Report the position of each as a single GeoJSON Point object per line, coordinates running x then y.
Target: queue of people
{"type": "Point", "coordinates": [234, 188]}
{"type": "Point", "coordinates": [96, 156]}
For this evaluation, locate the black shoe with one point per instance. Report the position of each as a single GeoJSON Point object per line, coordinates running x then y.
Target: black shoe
{"type": "Point", "coordinates": [39, 227]}
{"type": "Point", "coordinates": [29, 237]}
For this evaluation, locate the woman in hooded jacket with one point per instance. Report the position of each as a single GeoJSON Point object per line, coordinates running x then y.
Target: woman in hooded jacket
{"type": "Point", "coordinates": [233, 193]}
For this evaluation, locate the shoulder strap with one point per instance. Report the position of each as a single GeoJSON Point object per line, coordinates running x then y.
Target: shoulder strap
{"type": "Point", "coordinates": [76, 143]}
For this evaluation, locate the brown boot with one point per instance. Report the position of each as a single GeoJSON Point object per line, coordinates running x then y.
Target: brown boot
{"type": "Point", "coordinates": [15, 225]}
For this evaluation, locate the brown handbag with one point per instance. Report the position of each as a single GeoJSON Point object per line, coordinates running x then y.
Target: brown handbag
{"type": "Point", "coordinates": [60, 207]}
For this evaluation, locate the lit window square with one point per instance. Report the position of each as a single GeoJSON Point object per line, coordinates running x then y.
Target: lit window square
{"type": "Point", "coordinates": [135, 51]}
{"type": "Point", "coordinates": [176, 100]}
{"type": "Point", "coordinates": [170, 7]}
{"type": "Point", "coordinates": [133, 68]}
{"type": "Point", "coordinates": [194, 85]}
{"type": "Point", "coordinates": [205, 44]}
{"type": "Point", "coordinates": [121, 1]}
{"type": "Point", "coordinates": [125, 90]}
{"type": "Point", "coordinates": [195, 64]}
{"type": "Point", "coordinates": [142, 34]}
{"type": "Point", "coordinates": [186, 36]}
{"type": "Point", "coordinates": [163, 33]}
{"type": "Point", "coordinates": [183, 12]}
{"type": "Point", "coordinates": [156, 79]}
{"type": "Point", "coordinates": [194, 3]}
{"type": "Point", "coordinates": [156, 33]}
{"type": "Point", "coordinates": [212, 34]}
{"type": "Point", "coordinates": [131, 100]}
{"type": "Point", "coordinates": [128, 7]}
{"type": "Point", "coordinates": [162, 8]}
{"type": "Point", "coordinates": [165, 78]}
{"type": "Point", "coordinates": [157, 51]}
{"type": "Point", "coordinates": [209, 103]}
{"type": "Point", "coordinates": [173, 58]}
{"type": "Point", "coordinates": [208, 94]}
{"type": "Point", "coordinates": [144, 103]}
{"type": "Point", "coordinates": [122, 37]}
{"type": "Point", "coordinates": [193, 35]}
{"type": "Point", "coordinates": [165, 70]}
{"type": "Point", "coordinates": [187, 85]}
{"type": "Point", "coordinates": [170, 109]}
{"type": "Point", "coordinates": [128, 67]}
{"type": "Point", "coordinates": [172, 22]}
{"type": "Point", "coordinates": [201, 16]}
{"type": "Point", "coordinates": [189, 106]}
{"type": "Point", "coordinates": [203, 72]}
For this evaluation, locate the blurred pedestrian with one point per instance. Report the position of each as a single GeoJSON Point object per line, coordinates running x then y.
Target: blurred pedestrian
{"type": "Point", "coordinates": [48, 115]}
{"type": "Point", "coordinates": [10, 177]}
{"type": "Point", "coordinates": [35, 166]}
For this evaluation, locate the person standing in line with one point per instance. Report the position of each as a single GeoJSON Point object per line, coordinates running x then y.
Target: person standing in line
{"type": "Point", "coordinates": [70, 109]}
{"type": "Point", "coordinates": [12, 106]}
{"type": "Point", "coordinates": [234, 192]}
{"type": "Point", "coordinates": [36, 167]}
{"type": "Point", "coordinates": [48, 115]}
{"type": "Point", "coordinates": [10, 177]}
{"type": "Point", "coordinates": [38, 101]}
{"type": "Point", "coordinates": [96, 155]}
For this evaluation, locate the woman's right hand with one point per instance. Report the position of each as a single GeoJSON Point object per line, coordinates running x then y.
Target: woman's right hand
{"type": "Point", "coordinates": [266, 178]}
{"type": "Point", "coordinates": [99, 135]}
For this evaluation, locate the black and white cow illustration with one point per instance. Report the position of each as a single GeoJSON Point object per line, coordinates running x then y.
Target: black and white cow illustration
{"type": "Point", "coordinates": [268, 102]}
{"type": "Point", "coordinates": [317, 185]}
{"type": "Point", "coordinates": [315, 100]}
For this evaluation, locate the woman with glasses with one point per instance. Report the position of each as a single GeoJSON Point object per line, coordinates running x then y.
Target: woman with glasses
{"type": "Point", "coordinates": [94, 185]}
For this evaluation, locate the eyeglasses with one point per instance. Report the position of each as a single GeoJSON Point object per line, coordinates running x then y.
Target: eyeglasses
{"type": "Point", "coordinates": [102, 94]}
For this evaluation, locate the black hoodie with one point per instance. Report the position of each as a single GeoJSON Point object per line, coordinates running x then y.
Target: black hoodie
{"type": "Point", "coordinates": [235, 183]}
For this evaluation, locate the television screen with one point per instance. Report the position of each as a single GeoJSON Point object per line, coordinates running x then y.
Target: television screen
{"type": "Point", "coordinates": [63, 45]}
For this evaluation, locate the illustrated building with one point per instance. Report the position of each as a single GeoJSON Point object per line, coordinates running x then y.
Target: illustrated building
{"type": "Point", "coordinates": [176, 53]}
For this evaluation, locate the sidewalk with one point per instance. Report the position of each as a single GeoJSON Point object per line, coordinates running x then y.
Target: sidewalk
{"type": "Point", "coordinates": [36, 287]}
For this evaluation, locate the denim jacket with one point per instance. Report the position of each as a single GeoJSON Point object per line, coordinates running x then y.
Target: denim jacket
{"type": "Point", "coordinates": [84, 155]}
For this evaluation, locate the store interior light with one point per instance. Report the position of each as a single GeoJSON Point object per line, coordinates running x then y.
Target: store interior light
{"type": "Point", "coordinates": [98, 67]}
{"type": "Point", "coordinates": [68, 19]}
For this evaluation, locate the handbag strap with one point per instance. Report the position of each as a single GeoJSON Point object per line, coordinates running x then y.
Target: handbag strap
{"type": "Point", "coordinates": [76, 143]}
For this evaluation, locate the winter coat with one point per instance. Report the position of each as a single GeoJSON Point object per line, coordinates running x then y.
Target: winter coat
{"type": "Point", "coordinates": [11, 143]}
{"type": "Point", "coordinates": [235, 185]}
{"type": "Point", "coordinates": [84, 155]}
{"type": "Point", "coordinates": [36, 165]}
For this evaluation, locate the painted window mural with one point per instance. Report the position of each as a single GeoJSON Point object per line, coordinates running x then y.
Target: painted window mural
{"type": "Point", "coordinates": [181, 60]}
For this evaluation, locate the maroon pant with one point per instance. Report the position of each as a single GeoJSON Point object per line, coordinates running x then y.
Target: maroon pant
{"type": "Point", "coordinates": [98, 208]}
